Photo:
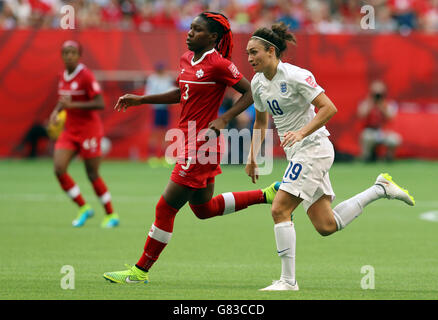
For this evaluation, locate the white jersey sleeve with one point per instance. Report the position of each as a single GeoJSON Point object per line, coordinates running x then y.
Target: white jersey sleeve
{"type": "Point", "coordinates": [306, 85]}
{"type": "Point", "coordinates": [258, 105]}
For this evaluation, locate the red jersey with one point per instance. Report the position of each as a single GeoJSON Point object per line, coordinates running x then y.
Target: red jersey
{"type": "Point", "coordinates": [81, 86]}
{"type": "Point", "coordinates": [375, 119]}
{"type": "Point", "coordinates": [202, 84]}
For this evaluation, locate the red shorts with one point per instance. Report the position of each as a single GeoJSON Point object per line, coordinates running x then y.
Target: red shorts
{"type": "Point", "coordinates": [88, 146]}
{"type": "Point", "coordinates": [195, 175]}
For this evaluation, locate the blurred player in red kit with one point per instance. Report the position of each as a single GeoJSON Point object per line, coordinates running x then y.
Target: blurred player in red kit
{"type": "Point", "coordinates": [205, 72]}
{"type": "Point", "coordinates": [81, 97]}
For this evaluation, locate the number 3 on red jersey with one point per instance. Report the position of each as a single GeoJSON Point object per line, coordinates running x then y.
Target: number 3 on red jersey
{"type": "Point", "coordinates": [186, 94]}
{"type": "Point", "coordinates": [189, 161]}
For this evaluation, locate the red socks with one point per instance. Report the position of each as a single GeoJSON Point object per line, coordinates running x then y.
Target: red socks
{"type": "Point", "coordinates": [227, 203]}
{"type": "Point", "coordinates": [103, 194]}
{"type": "Point", "coordinates": [71, 188]}
{"type": "Point", "coordinates": [162, 228]}
{"type": "Point", "coordinates": [159, 234]}
{"type": "Point", "coordinates": [73, 191]}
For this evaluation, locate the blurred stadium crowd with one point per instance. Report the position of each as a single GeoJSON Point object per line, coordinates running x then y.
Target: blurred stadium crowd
{"type": "Point", "coordinates": [312, 16]}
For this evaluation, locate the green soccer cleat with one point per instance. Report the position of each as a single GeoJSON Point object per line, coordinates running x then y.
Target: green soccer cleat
{"type": "Point", "coordinates": [271, 191]}
{"type": "Point", "coordinates": [132, 275]}
{"type": "Point", "coordinates": [85, 212]}
{"type": "Point", "coordinates": [110, 221]}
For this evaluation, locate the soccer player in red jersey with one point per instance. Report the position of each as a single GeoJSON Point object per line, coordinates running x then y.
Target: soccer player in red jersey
{"type": "Point", "coordinates": [205, 73]}
{"type": "Point", "coordinates": [80, 95]}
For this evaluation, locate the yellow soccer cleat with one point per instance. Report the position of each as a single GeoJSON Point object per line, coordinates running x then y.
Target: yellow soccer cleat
{"type": "Point", "coordinates": [131, 276]}
{"type": "Point", "coordinates": [394, 191]}
{"type": "Point", "coordinates": [271, 191]}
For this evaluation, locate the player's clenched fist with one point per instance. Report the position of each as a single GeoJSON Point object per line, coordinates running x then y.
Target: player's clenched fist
{"type": "Point", "coordinates": [126, 101]}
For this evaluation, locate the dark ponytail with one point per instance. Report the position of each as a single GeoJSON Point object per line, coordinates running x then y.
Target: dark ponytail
{"type": "Point", "coordinates": [277, 36]}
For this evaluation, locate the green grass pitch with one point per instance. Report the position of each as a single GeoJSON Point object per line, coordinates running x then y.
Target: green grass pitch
{"type": "Point", "coordinates": [227, 257]}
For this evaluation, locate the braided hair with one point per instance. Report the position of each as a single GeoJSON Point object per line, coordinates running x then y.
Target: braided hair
{"type": "Point", "coordinates": [217, 22]}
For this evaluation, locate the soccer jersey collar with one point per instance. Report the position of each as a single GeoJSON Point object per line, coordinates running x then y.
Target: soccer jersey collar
{"type": "Point", "coordinates": [202, 58]}
{"type": "Point", "coordinates": [69, 77]}
{"type": "Point", "coordinates": [279, 67]}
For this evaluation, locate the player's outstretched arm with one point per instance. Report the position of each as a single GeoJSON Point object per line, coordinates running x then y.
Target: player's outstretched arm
{"type": "Point", "coordinates": [326, 110]}
{"type": "Point", "coordinates": [258, 136]}
{"type": "Point", "coordinates": [131, 100]}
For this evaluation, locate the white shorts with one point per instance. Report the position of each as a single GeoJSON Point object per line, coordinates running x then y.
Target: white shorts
{"type": "Point", "coordinates": [307, 175]}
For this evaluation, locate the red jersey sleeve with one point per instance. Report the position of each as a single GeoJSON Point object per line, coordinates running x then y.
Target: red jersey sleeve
{"type": "Point", "coordinates": [92, 87]}
{"type": "Point", "coordinates": [227, 72]}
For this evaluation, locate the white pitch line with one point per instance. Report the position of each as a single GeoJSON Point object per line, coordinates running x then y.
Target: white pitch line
{"type": "Point", "coordinates": [41, 197]}
{"type": "Point", "coordinates": [44, 197]}
{"type": "Point", "coordinates": [430, 216]}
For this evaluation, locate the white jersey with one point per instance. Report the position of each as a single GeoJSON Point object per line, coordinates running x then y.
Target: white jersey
{"type": "Point", "coordinates": [288, 98]}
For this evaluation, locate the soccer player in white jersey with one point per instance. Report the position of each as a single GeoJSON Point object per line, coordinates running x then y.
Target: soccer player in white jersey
{"type": "Point", "coordinates": [290, 94]}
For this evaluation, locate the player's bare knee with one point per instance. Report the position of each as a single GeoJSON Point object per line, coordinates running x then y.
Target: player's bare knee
{"type": "Point", "coordinates": [326, 229]}
{"type": "Point", "coordinates": [278, 214]}
{"type": "Point", "coordinates": [59, 170]}
{"type": "Point", "coordinates": [324, 232]}
{"type": "Point", "coordinates": [92, 175]}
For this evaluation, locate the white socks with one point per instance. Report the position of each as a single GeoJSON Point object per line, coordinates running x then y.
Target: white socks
{"type": "Point", "coordinates": [285, 238]}
{"type": "Point", "coordinates": [348, 210]}
{"type": "Point", "coordinates": [344, 213]}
